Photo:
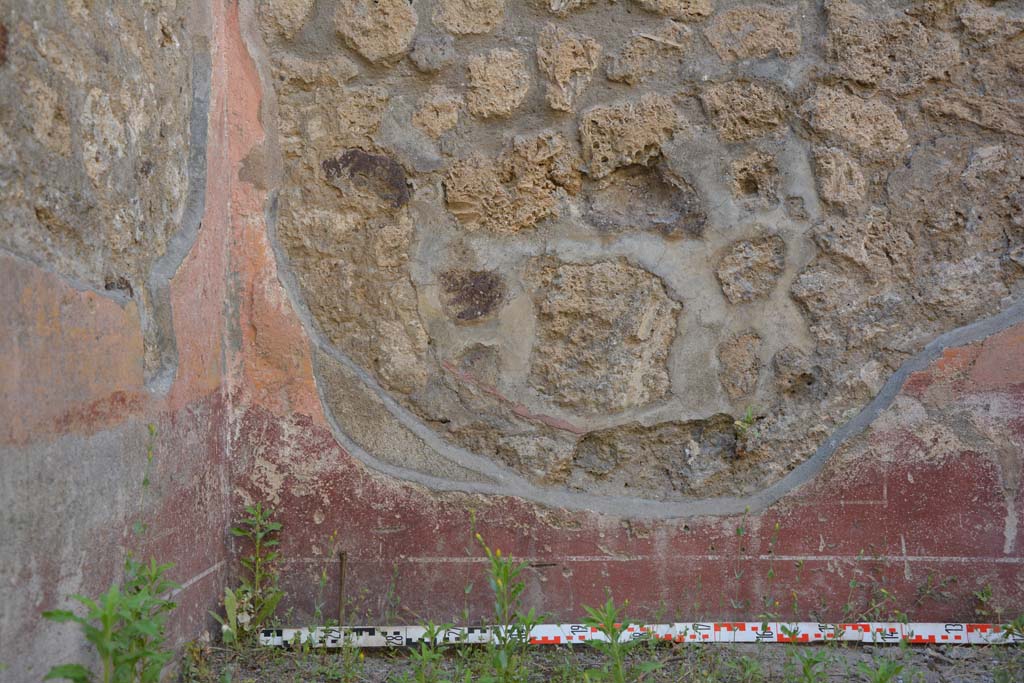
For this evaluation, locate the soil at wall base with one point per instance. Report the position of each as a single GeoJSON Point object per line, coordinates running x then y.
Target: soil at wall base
{"type": "Point", "coordinates": [710, 664]}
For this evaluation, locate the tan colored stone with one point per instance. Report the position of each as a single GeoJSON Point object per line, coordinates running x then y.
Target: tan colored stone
{"type": "Point", "coordinates": [996, 114]}
{"type": "Point", "coordinates": [795, 374]}
{"type": "Point", "coordinates": [515, 191]}
{"type": "Point", "coordinates": [470, 16]}
{"type": "Point", "coordinates": [754, 32]}
{"type": "Point", "coordinates": [49, 116]}
{"type": "Point", "coordinates": [990, 24]}
{"type": "Point", "coordinates": [430, 53]}
{"type": "Point", "coordinates": [756, 176]}
{"type": "Point", "coordinates": [103, 138]}
{"type": "Point", "coordinates": [684, 10]}
{"type": "Point", "coordinates": [297, 74]}
{"type": "Point", "coordinates": [359, 113]}
{"type": "Point", "coordinates": [665, 460]}
{"type": "Point", "coordinates": [437, 112]}
{"type": "Point", "coordinates": [379, 30]}
{"type": "Point", "coordinates": [540, 457]}
{"type": "Point", "coordinates": [647, 53]}
{"type": "Point", "coordinates": [498, 83]}
{"type": "Point", "coordinates": [889, 49]}
{"type": "Point", "coordinates": [625, 133]}
{"type": "Point", "coordinates": [872, 242]}
{"type": "Point", "coordinates": [285, 17]}
{"type": "Point", "coordinates": [840, 179]}
{"type": "Point", "coordinates": [646, 198]}
{"type": "Point", "coordinates": [868, 126]}
{"type": "Point", "coordinates": [353, 271]}
{"type": "Point", "coordinates": [568, 60]}
{"type": "Point", "coordinates": [564, 7]}
{"type": "Point", "coordinates": [603, 335]}
{"type": "Point", "coordinates": [741, 111]}
{"type": "Point", "coordinates": [750, 268]}
{"type": "Point", "coordinates": [739, 364]}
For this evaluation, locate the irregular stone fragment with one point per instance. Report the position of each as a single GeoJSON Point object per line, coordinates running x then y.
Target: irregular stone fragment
{"type": "Point", "coordinates": [470, 16]}
{"type": "Point", "coordinates": [965, 199]}
{"type": "Point", "coordinates": [845, 313]}
{"type": "Point", "coordinates": [563, 7]}
{"type": "Point", "coordinates": [103, 139]}
{"type": "Point", "coordinates": [750, 269]}
{"type": "Point", "coordinates": [379, 30]}
{"type": "Point", "coordinates": [430, 54]}
{"type": "Point", "coordinates": [794, 373]}
{"type": "Point", "coordinates": [481, 362]}
{"type": "Point", "coordinates": [498, 83]}
{"type": "Point", "coordinates": [357, 118]}
{"type": "Point", "coordinates": [642, 198]}
{"type": "Point", "coordinates": [990, 24]}
{"type": "Point", "coordinates": [294, 74]}
{"type": "Point", "coordinates": [741, 111]}
{"type": "Point", "coordinates": [515, 191]}
{"type": "Point", "coordinates": [739, 365]}
{"type": "Point", "coordinates": [50, 120]}
{"type": "Point", "coordinates": [663, 460]}
{"type": "Point", "coordinates": [795, 208]}
{"type": "Point", "coordinates": [626, 133]}
{"type": "Point", "coordinates": [603, 335]}
{"type": "Point", "coordinates": [685, 10]}
{"type": "Point", "coordinates": [568, 60]}
{"type": "Point", "coordinates": [872, 242]}
{"type": "Point", "coordinates": [539, 457]}
{"type": "Point", "coordinates": [754, 32]}
{"type": "Point", "coordinates": [470, 295]}
{"type": "Point", "coordinates": [646, 53]}
{"type": "Point", "coordinates": [961, 290]}
{"type": "Point", "coordinates": [840, 179]}
{"type": "Point", "coordinates": [889, 50]}
{"type": "Point", "coordinates": [378, 173]}
{"type": "Point", "coordinates": [285, 17]}
{"type": "Point", "coordinates": [437, 112]}
{"type": "Point", "coordinates": [996, 114]}
{"type": "Point", "coordinates": [869, 126]}
{"type": "Point", "coordinates": [756, 175]}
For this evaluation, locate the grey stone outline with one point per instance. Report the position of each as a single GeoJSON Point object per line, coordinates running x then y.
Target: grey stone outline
{"type": "Point", "coordinates": [160, 326]}
{"type": "Point", "coordinates": [507, 483]}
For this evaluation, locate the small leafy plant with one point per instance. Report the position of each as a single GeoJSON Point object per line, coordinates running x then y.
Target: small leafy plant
{"type": "Point", "coordinates": [126, 625]}
{"type": "Point", "coordinates": [810, 665]}
{"type": "Point", "coordinates": [610, 621]}
{"type": "Point", "coordinates": [252, 604]}
{"type": "Point", "coordinates": [745, 425]}
{"type": "Point", "coordinates": [746, 670]}
{"type": "Point", "coordinates": [512, 625]}
{"type": "Point", "coordinates": [883, 671]}
{"type": "Point", "coordinates": [427, 658]}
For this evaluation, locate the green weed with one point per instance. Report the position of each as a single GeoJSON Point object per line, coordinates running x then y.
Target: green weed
{"type": "Point", "coordinates": [611, 622]}
{"type": "Point", "coordinates": [512, 626]}
{"type": "Point", "coordinates": [126, 625]}
{"type": "Point", "coordinates": [252, 604]}
{"type": "Point", "coordinates": [883, 671]}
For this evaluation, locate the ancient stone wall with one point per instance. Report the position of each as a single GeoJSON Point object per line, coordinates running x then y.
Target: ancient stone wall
{"type": "Point", "coordinates": [651, 293]}
{"type": "Point", "coordinates": [570, 244]}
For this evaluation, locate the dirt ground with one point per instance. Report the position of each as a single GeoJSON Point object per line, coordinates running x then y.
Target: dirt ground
{"type": "Point", "coordinates": [705, 664]}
